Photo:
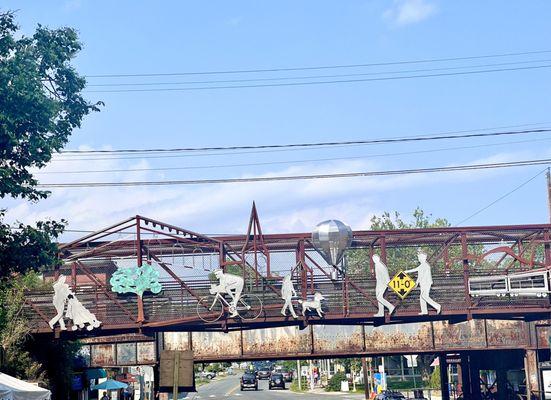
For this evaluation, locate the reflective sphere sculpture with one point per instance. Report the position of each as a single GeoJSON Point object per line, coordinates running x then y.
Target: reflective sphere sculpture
{"type": "Point", "coordinates": [331, 238]}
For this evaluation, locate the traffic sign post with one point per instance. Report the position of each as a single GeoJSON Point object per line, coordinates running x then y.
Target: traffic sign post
{"type": "Point", "coordinates": [402, 284]}
{"type": "Point", "coordinates": [176, 372]}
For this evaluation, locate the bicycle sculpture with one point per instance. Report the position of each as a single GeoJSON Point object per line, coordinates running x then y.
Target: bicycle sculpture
{"type": "Point", "coordinates": [211, 308]}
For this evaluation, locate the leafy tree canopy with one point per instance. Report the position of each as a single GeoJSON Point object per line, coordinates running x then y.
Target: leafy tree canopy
{"type": "Point", "coordinates": [397, 257]}
{"type": "Point", "coordinates": [40, 105]}
{"type": "Point", "coordinates": [40, 102]}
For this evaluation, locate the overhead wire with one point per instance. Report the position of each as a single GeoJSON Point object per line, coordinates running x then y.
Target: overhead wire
{"type": "Point", "coordinates": [276, 147]}
{"type": "Point", "coordinates": [321, 67]}
{"type": "Point", "coordinates": [284, 78]}
{"type": "Point", "coordinates": [302, 161]}
{"type": "Point", "coordinates": [501, 197]}
{"type": "Point", "coordinates": [312, 144]}
{"type": "Point", "coordinates": [300, 177]}
{"type": "Point", "coordinates": [311, 83]}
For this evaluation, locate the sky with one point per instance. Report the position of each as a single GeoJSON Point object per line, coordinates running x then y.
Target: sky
{"type": "Point", "coordinates": [145, 37]}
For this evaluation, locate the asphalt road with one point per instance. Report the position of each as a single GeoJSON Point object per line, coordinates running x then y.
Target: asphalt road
{"type": "Point", "coordinates": [229, 388]}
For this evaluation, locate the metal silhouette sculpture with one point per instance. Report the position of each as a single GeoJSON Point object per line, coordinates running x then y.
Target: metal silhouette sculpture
{"type": "Point", "coordinates": [383, 279]}
{"type": "Point", "coordinates": [313, 305]}
{"type": "Point", "coordinates": [68, 306]}
{"type": "Point", "coordinates": [136, 280]}
{"type": "Point", "coordinates": [424, 281]}
{"type": "Point", "coordinates": [61, 294]}
{"type": "Point", "coordinates": [331, 238]}
{"type": "Point", "coordinates": [80, 315]}
{"type": "Point", "coordinates": [287, 293]}
{"type": "Point", "coordinates": [231, 285]}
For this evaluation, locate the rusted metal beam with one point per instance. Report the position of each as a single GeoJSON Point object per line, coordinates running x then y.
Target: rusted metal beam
{"type": "Point", "coordinates": [172, 274]}
{"type": "Point", "coordinates": [104, 289]}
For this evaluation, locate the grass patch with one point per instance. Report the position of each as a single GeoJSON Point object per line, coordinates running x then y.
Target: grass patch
{"type": "Point", "coordinates": [201, 381]}
{"type": "Point", "coordinates": [294, 385]}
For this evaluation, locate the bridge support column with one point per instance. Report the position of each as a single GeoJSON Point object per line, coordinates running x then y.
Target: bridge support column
{"type": "Point", "coordinates": [531, 371]}
{"type": "Point", "coordinates": [470, 376]}
{"type": "Point", "coordinates": [444, 382]}
{"type": "Point", "coordinates": [501, 375]}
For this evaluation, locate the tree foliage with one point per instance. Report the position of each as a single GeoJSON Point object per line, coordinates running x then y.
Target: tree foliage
{"type": "Point", "coordinates": [40, 102]}
{"type": "Point", "coordinates": [15, 329]}
{"type": "Point", "coordinates": [397, 257]}
{"type": "Point", "coordinates": [27, 248]}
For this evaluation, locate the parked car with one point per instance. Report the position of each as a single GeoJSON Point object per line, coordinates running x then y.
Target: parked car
{"type": "Point", "coordinates": [390, 395]}
{"type": "Point", "coordinates": [287, 375]}
{"type": "Point", "coordinates": [276, 381]}
{"type": "Point", "coordinates": [207, 374]}
{"type": "Point", "coordinates": [249, 381]}
{"type": "Point", "coordinates": [263, 373]}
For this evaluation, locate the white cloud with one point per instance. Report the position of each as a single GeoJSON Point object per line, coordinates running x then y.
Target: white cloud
{"type": "Point", "coordinates": [406, 12]}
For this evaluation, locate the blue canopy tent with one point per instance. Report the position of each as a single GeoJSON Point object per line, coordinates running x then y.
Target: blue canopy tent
{"type": "Point", "coordinates": [110, 384]}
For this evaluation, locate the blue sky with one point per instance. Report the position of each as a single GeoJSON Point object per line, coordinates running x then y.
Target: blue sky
{"type": "Point", "coordinates": [153, 37]}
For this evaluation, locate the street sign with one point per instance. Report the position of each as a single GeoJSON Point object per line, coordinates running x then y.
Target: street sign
{"type": "Point", "coordinates": [401, 284]}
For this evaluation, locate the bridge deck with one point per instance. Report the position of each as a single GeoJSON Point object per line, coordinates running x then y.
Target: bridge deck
{"type": "Point", "coordinates": [185, 261]}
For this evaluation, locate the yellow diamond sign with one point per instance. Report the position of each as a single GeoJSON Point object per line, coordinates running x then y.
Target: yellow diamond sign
{"type": "Point", "coordinates": [401, 284]}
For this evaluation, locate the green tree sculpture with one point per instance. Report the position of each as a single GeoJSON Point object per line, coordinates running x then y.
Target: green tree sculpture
{"type": "Point", "coordinates": [136, 280]}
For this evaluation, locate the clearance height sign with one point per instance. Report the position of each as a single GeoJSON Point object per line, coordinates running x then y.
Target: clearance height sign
{"type": "Point", "coordinates": [402, 284]}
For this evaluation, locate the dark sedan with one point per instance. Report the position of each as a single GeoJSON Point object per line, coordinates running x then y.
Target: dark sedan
{"type": "Point", "coordinates": [249, 381]}
{"type": "Point", "coordinates": [390, 395]}
{"type": "Point", "coordinates": [276, 381]}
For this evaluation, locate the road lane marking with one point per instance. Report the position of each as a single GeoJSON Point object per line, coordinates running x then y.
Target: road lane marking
{"type": "Point", "coordinates": [229, 392]}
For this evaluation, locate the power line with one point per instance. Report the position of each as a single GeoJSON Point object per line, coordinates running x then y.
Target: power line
{"type": "Point", "coordinates": [300, 177]}
{"type": "Point", "coordinates": [322, 67]}
{"type": "Point", "coordinates": [287, 162]}
{"type": "Point", "coordinates": [310, 83]}
{"type": "Point", "coordinates": [501, 197]}
{"type": "Point", "coordinates": [284, 78]}
{"type": "Point", "coordinates": [296, 145]}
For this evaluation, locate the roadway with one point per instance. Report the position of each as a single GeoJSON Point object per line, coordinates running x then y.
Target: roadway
{"type": "Point", "coordinates": [229, 388]}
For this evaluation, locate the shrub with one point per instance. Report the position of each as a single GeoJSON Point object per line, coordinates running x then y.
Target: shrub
{"type": "Point", "coordinates": [334, 384]}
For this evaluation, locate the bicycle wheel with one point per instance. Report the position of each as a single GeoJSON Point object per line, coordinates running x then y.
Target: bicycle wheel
{"type": "Point", "coordinates": [249, 307]}
{"type": "Point", "coordinates": [209, 308]}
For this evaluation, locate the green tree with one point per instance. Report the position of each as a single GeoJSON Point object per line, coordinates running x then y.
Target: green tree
{"type": "Point", "coordinates": [397, 257]}
{"type": "Point", "coordinates": [434, 381]}
{"type": "Point", "coordinates": [15, 329]}
{"type": "Point", "coordinates": [41, 103]}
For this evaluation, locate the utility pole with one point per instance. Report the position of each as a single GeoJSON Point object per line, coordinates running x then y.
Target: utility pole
{"type": "Point", "coordinates": [549, 191]}
{"type": "Point", "coordinates": [367, 383]}
{"type": "Point", "coordinates": [299, 376]}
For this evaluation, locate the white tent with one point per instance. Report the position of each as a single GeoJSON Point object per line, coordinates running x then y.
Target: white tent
{"type": "Point", "coordinates": [14, 389]}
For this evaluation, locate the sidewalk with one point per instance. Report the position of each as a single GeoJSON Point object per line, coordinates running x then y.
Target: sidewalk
{"type": "Point", "coordinates": [356, 395]}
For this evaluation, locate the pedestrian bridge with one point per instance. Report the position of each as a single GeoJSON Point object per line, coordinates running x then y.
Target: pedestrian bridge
{"type": "Point", "coordinates": [479, 274]}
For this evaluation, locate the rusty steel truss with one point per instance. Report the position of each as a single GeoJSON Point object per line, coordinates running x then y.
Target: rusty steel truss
{"type": "Point", "coordinates": [186, 259]}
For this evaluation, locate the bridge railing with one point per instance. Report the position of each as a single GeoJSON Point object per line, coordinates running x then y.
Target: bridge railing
{"type": "Point", "coordinates": [185, 261]}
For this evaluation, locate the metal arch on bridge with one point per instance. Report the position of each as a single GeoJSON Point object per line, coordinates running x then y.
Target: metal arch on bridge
{"type": "Point", "coordinates": [185, 259]}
